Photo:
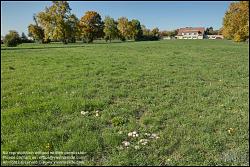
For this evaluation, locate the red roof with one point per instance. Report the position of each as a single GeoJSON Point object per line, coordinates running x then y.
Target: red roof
{"type": "Point", "coordinates": [191, 29]}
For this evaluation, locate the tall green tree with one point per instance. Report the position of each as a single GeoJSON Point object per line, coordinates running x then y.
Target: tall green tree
{"type": "Point", "coordinates": [110, 29]}
{"type": "Point", "coordinates": [136, 29]}
{"type": "Point", "coordinates": [24, 38]}
{"type": "Point", "coordinates": [211, 31]}
{"type": "Point", "coordinates": [73, 30]}
{"type": "Point", "coordinates": [91, 26]}
{"type": "Point", "coordinates": [236, 21]}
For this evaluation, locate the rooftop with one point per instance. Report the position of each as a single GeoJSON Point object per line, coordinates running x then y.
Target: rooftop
{"type": "Point", "coordinates": [191, 29]}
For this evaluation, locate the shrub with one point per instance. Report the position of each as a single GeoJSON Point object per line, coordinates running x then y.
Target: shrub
{"type": "Point", "coordinates": [149, 38]}
{"type": "Point", "coordinates": [12, 39]}
{"type": "Point", "coordinates": [24, 39]}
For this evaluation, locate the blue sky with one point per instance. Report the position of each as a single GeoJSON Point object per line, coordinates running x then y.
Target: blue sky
{"type": "Point", "coordinates": [164, 15]}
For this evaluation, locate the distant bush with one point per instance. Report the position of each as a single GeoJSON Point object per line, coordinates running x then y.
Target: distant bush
{"type": "Point", "coordinates": [149, 38]}
{"type": "Point", "coordinates": [12, 39]}
{"type": "Point", "coordinates": [24, 39]}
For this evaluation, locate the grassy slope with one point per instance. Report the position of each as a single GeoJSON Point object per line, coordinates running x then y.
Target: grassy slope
{"type": "Point", "coordinates": [188, 92]}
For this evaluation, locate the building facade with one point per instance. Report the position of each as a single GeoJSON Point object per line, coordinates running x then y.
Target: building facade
{"type": "Point", "coordinates": [191, 33]}
{"type": "Point", "coordinates": [214, 37]}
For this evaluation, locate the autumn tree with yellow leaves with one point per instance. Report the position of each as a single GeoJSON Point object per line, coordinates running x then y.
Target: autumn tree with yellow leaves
{"type": "Point", "coordinates": [57, 21]}
{"type": "Point", "coordinates": [36, 32]}
{"type": "Point", "coordinates": [123, 27]}
{"type": "Point", "coordinates": [91, 26]}
{"type": "Point", "coordinates": [129, 29]}
{"type": "Point", "coordinates": [136, 29]}
{"type": "Point", "coordinates": [236, 21]}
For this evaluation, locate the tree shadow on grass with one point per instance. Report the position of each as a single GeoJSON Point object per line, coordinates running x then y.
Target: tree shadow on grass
{"type": "Point", "coordinates": [65, 45]}
{"type": "Point", "coordinates": [49, 47]}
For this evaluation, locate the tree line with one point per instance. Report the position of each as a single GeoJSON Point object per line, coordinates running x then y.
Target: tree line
{"type": "Point", "coordinates": [57, 23]}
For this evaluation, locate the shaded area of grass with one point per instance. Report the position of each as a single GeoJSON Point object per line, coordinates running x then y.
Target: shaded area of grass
{"type": "Point", "coordinates": [59, 45]}
{"type": "Point", "coordinates": [188, 92]}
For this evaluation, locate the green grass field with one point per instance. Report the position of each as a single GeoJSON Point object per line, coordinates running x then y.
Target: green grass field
{"type": "Point", "coordinates": [193, 94]}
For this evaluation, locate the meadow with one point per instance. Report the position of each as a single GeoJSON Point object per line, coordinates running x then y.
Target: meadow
{"type": "Point", "coordinates": [192, 95]}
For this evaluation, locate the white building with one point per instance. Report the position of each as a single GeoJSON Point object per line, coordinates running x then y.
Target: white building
{"type": "Point", "coordinates": [167, 38]}
{"type": "Point", "coordinates": [214, 36]}
{"type": "Point", "coordinates": [191, 33]}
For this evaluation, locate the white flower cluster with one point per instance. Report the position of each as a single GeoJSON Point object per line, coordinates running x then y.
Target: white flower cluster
{"type": "Point", "coordinates": [84, 112]}
{"type": "Point", "coordinates": [97, 113]}
{"type": "Point", "coordinates": [154, 136]}
{"type": "Point", "coordinates": [126, 143]}
{"type": "Point", "coordinates": [143, 141]}
{"type": "Point", "coordinates": [133, 134]}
